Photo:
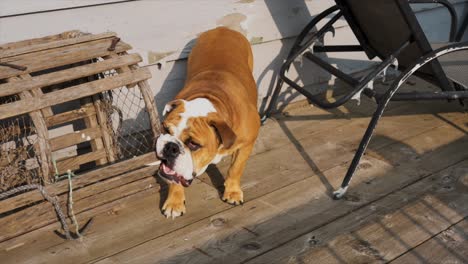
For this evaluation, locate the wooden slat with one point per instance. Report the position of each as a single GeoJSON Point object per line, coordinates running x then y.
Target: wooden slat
{"type": "Point", "coordinates": [73, 93]}
{"type": "Point", "coordinates": [42, 60]}
{"type": "Point", "coordinates": [111, 183]}
{"type": "Point", "coordinates": [450, 246]}
{"type": "Point", "coordinates": [66, 164]}
{"type": "Point", "coordinates": [105, 129]}
{"type": "Point", "coordinates": [74, 138]}
{"type": "Point", "coordinates": [384, 229]}
{"type": "Point", "coordinates": [133, 182]}
{"type": "Point", "coordinates": [70, 116]}
{"type": "Point", "coordinates": [39, 41]}
{"type": "Point", "coordinates": [150, 104]}
{"type": "Point", "coordinates": [282, 215]}
{"type": "Point", "coordinates": [120, 69]}
{"type": "Point", "coordinates": [68, 74]}
{"type": "Point", "coordinates": [256, 183]}
{"type": "Point", "coordinates": [269, 171]}
{"type": "Point", "coordinates": [54, 44]}
{"type": "Point", "coordinates": [287, 166]}
{"type": "Point", "coordinates": [91, 121]}
{"type": "Point", "coordinates": [37, 92]}
{"type": "Point", "coordinates": [78, 182]}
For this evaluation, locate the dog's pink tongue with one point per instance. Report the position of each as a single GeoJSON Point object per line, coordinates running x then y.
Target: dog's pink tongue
{"type": "Point", "coordinates": [167, 170]}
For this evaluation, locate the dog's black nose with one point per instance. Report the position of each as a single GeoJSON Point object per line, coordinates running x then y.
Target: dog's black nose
{"type": "Point", "coordinates": [171, 150]}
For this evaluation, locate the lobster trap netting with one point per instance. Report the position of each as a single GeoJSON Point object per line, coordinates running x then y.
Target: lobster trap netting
{"type": "Point", "coordinates": [128, 121]}
{"type": "Point", "coordinates": [71, 104]}
{"type": "Point", "coordinates": [19, 163]}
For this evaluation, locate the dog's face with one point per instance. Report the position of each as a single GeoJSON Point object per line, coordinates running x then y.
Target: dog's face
{"type": "Point", "coordinates": [192, 138]}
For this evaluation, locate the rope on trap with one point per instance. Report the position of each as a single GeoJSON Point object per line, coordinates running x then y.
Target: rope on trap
{"type": "Point", "coordinates": [53, 200]}
{"type": "Point", "coordinates": [71, 212]}
{"type": "Point", "coordinates": [70, 174]}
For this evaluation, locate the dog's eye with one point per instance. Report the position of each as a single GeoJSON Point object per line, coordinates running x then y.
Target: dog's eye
{"type": "Point", "coordinates": [192, 145]}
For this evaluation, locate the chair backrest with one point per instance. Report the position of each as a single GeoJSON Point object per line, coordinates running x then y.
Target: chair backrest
{"type": "Point", "coordinates": [382, 26]}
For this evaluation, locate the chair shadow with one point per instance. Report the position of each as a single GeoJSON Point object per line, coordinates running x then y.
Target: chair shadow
{"type": "Point", "coordinates": [310, 162]}
{"type": "Point", "coordinates": [287, 95]}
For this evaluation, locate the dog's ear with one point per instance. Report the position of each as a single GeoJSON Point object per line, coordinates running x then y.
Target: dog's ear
{"type": "Point", "coordinates": [169, 107]}
{"type": "Point", "coordinates": [224, 132]}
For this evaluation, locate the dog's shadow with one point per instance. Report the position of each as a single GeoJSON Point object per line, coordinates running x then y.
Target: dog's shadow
{"type": "Point", "coordinates": [163, 191]}
{"type": "Point", "coordinates": [216, 178]}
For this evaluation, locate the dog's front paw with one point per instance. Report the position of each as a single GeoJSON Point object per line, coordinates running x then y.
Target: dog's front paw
{"type": "Point", "coordinates": [173, 208]}
{"type": "Point", "coordinates": [233, 195]}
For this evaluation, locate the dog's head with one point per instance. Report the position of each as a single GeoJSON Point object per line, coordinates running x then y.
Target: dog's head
{"type": "Point", "coordinates": [192, 136]}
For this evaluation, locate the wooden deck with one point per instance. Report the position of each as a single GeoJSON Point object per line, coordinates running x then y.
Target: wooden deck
{"type": "Point", "coordinates": [408, 202]}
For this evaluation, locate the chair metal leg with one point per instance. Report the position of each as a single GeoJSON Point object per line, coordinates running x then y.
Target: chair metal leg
{"type": "Point", "coordinates": [360, 152]}
{"type": "Point", "coordinates": [383, 102]}
{"type": "Point", "coordinates": [274, 97]}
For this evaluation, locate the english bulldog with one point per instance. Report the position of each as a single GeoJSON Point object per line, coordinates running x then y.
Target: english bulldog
{"type": "Point", "coordinates": [214, 115]}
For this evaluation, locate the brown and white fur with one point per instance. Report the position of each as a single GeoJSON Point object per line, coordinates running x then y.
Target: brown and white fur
{"type": "Point", "coordinates": [213, 116]}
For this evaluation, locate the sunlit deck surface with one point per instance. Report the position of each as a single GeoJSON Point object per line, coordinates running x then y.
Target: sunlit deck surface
{"type": "Point", "coordinates": [408, 202]}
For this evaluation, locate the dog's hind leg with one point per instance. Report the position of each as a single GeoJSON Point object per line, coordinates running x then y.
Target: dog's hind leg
{"type": "Point", "coordinates": [232, 187]}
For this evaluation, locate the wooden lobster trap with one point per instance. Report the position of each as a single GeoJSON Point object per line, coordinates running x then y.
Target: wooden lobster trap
{"type": "Point", "coordinates": [70, 103]}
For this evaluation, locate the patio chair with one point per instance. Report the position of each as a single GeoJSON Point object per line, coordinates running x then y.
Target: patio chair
{"type": "Point", "coordinates": [389, 30]}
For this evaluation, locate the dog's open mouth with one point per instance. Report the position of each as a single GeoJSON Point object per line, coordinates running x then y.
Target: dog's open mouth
{"type": "Point", "coordinates": [169, 174]}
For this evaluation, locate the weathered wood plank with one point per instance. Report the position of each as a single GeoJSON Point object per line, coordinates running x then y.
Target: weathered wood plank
{"type": "Point", "coordinates": [121, 180]}
{"type": "Point", "coordinates": [37, 92]}
{"type": "Point", "coordinates": [113, 208]}
{"type": "Point", "coordinates": [91, 121]}
{"type": "Point", "coordinates": [268, 174]}
{"type": "Point", "coordinates": [39, 41]}
{"type": "Point", "coordinates": [74, 138]}
{"type": "Point", "coordinates": [54, 44]}
{"type": "Point", "coordinates": [70, 116]}
{"type": "Point", "coordinates": [105, 129]}
{"type": "Point", "coordinates": [283, 215]}
{"type": "Point", "coordinates": [383, 229]}
{"type": "Point", "coordinates": [42, 60]}
{"type": "Point", "coordinates": [120, 69]}
{"type": "Point", "coordinates": [68, 74]}
{"type": "Point", "coordinates": [79, 181]}
{"type": "Point", "coordinates": [449, 246]}
{"type": "Point", "coordinates": [297, 128]}
{"type": "Point", "coordinates": [83, 199]}
{"type": "Point", "coordinates": [74, 162]}
{"type": "Point", "coordinates": [151, 109]}
{"type": "Point", "coordinates": [73, 93]}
